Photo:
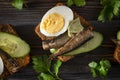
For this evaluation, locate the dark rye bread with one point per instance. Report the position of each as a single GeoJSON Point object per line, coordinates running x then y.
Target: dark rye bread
{"type": "Point", "coordinates": [85, 23]}
{"type": "Point", "coordinates": [22, 62]}
{"type": "Point", "coordinates": [117, 54]}
{"type": "Point", "coordinates": [117, 51]}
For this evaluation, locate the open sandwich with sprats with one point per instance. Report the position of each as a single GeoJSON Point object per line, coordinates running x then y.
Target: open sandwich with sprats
{"type": "Point", "coordinates": [65, 33]}
{"type": "Point", "coordinates": [14, 51]}
{"type": "Point", "coordinates": [117, 48]}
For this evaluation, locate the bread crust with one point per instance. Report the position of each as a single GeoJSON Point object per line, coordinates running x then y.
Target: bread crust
{"type": "Point", "coordinates": [117, 54]}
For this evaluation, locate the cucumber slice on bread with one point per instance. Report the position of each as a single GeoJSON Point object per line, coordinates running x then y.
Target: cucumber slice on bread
{"type": "Point", "coordinates": [13, 45]}
{"type": "Point", "coordinates": [118, 35]}
{"type": "Point", "coordinates": [89, 45]}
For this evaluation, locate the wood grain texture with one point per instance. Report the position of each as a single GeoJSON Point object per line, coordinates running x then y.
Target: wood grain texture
{"type": "Point", "coordinates": [25, 21]}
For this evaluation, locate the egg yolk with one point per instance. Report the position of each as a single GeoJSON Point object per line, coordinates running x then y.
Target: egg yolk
{"type": "Point", "coordinates": [53, 23]}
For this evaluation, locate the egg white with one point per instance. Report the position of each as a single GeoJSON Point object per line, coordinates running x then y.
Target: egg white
{"type": "Point", "coordinates": [1, 66]}
{"type": "Point", "coordinates": [67, 14]}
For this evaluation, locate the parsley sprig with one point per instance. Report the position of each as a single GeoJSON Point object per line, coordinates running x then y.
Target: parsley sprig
{"type": "Point", "coordinates": [110, 9]}
{"type": "Point", "coordinates": [47, 70]}
{"type": "Point", "coordinates": [18, 4]}
{"type": "Point", "coordinates": [100, 69]}
{"type": "Point", "coordinates": [76, 2]}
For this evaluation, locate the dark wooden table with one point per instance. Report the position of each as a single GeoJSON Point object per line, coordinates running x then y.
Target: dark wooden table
{"type": "Point", "coordinates": [25, 21]}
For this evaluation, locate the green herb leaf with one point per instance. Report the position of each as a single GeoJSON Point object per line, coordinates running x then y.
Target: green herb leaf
{"type": "Point", "coordinates": [18, 4]}
{"type": "Point", "coordinates": [94, 73]}
{"type": "Point", "coordinates": [76, 2]}
{"type": "Point", "coordinates": [70, 2]}
{"type": "Point", "coordinates": [41, 64]}
{"type": "Point", "coordinates": [116, 7]}
{"type": "Point", "coordinates": [110, 9]}
{"type": "Point", "coordinates": [93, 64]}
{"type": "Point", "coordinates": [100, 69]}
{"type": "Point", "coordinates": [79, 2]}
{"type": "Point", "coordinates": [105, 63]}
{"type": "Point", "coordinates": [57, 66]}
{"type": "Point", "coordinates": [40, 77]}
{"type": "Point", "coordinates": [104, 67]}
{"type": "Point", "coordinates": [45, 68]}
{"type": "Point", "coordinates": [44, 76]}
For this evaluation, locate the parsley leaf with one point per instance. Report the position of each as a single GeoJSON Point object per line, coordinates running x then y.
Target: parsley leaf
{"type": "Point", "coordinates": [41, 64]}
{"type": "Point", "coordinates": [44, 76]}
{"type": "Point", "coordinates": [100, 69]}
{"type": "Point", "coordinates": [45, 68]}
{"type": "Point", "coordinates": [110, 9]}
{"type": "Point", "coordinates": [76, 2]}
{"type": "Point", "coordinates": [18, 4]}
{"type": "Point", "coordinates": [79, 2]}
{"type": "Point", "coordinates": [70, 2]}
{"type": "Point", "coordinates": [56, 66]}
{"type": "Point", "coordinates": [105, 63]}
{"type": "Point", "coordinates": [93, 65]}
{"type": "Point", "coordinates": [104, 67]}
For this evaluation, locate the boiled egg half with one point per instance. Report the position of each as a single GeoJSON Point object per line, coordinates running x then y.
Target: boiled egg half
{"type": "Point", "coordinates": [1, 66]}
{"type": "Point", "coordinates": [56, 20]}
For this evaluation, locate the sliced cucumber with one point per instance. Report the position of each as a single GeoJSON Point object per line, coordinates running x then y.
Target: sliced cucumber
{"type": "Point", "coordinates": [88, 46]}
{"type": "Point", "coordinates": [13, 45]}
{"type": "Point", "coordinates": [118, 35]}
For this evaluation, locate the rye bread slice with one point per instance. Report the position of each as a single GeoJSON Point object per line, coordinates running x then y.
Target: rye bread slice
{"type": "Point", "coordinates": [117, 54]}
{"type": "Point", "coordinates": [22, 62]}
{"type": "Point", "coordinates": [85, 23]}
{"type": "Point", "coordinates": [117, 50]}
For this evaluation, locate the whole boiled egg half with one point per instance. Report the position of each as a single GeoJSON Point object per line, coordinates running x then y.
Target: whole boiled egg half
{"type": "Point", "coordinates": [56, 21]}
{"type": "Point", "coordinates": [1, 66]}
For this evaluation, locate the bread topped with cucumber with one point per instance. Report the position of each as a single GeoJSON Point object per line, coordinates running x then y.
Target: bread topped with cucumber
{"type": "Point", "coordinates": [66, 34]}
{"type": "Point", "coordinates": [14, 51]}
{"type": "Point", "coordinates": [117, 48]}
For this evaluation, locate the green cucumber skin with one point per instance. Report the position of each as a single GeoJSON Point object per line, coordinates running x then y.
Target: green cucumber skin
{"type": "Point", "coordinates": [22, 49]}
{"type": "Point", "coordinates": [118, 35]}
{"type": "Point", "coordinates": [88, 46]}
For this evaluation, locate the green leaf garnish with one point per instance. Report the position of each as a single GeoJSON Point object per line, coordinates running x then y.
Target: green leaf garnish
{"type": "Point", "coordinates": [79, 2]}
{"type": "Point", "coordinates": [44, 76]}
{"type": "Point", "coordinates": [70, 2]}
{"type": "Point", "coordinates": [45, 68]}
{"type": "Point", "coordinates": [76, 2]}
{"type": "Point", "coordinates": [41, 64]}
{"type": "Point", "coordinates": [18, 4]}
{"type": "Point", "coordinates": [94, 73]}
{"type": "Point", "coordinates": [93, 64]}
{"type": "Point", "coordinates": [110, 9]}
{"type": "Point", "coordinates": [57, 66]}
{"type": "Point", "coordinates": [100, 69]}
{"type": "Point", "coordinates": [105, 63]}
